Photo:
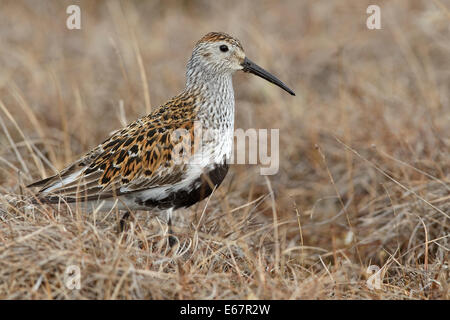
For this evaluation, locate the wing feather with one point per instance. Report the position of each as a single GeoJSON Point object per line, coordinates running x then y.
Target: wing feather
{"type": "Point", "coordinates": [138, 157]}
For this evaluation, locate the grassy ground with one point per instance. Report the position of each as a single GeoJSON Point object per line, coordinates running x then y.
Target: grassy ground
{"type": "Point", "coordinates": [364, 150]}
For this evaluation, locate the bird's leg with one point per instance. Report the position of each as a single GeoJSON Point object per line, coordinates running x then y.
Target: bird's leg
{"type": "Point", "coordinates": [123, 220]}
{"type": "Point", "coordinates": [172, 239]}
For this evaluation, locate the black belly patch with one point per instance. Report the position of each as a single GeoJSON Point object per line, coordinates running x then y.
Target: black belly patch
{"type": "Point", "coordinates": [187, 197]}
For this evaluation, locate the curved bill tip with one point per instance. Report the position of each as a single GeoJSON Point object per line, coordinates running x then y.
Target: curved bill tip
{"type": "Point", "coordinates": [251, 67]}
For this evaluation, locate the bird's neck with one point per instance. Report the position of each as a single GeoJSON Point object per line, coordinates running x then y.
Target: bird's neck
{"type": "Point", "coordinates": [216, 103]}
{"type": "Point", "coordinates": [210, 82]}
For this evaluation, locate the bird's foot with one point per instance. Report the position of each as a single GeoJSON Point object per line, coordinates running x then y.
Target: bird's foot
{"type": "Point", "coordinates": [123, 221]}
{"type": "Point", "coordinates": [172, 239]}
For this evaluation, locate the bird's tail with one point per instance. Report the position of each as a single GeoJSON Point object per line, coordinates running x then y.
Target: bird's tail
{"type": "Point", "coordinates": [40, 183]}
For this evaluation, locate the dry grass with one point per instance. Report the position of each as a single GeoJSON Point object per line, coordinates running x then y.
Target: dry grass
{"type": "Point", "coordinates": [365, 164]}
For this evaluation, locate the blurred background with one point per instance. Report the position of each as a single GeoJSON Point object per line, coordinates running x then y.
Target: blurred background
{"type": "Point", "coordinates": [364, 146]}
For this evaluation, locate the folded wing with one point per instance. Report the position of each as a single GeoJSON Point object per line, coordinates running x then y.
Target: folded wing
{"type": "Point", "coordinates": [141, 156]}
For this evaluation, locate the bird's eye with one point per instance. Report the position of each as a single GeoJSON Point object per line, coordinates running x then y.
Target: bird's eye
{"type": "Point", "coordinates": [223, 48]}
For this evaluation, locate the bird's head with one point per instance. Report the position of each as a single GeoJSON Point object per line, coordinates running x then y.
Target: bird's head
{"type": "Point", "coordinates": [218, 53]}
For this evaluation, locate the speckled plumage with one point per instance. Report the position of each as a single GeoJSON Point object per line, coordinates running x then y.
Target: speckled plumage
{"type": "Point", "coordinates": [136, 165]}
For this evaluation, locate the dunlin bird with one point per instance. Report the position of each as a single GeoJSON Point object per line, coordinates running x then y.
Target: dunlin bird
{"type": "Point", "coordinates": [135, 169]}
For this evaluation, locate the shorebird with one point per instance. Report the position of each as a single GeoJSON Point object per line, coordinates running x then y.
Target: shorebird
{"type": "Point", "coordinates": [135, 168]}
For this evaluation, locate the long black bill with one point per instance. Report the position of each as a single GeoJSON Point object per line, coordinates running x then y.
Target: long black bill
{"type": "Point", "coordinates": [250, 66]}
